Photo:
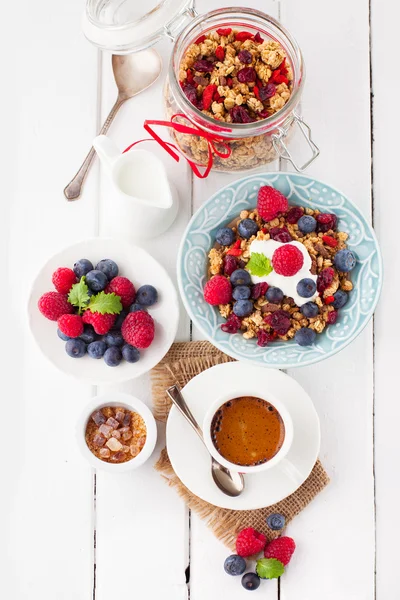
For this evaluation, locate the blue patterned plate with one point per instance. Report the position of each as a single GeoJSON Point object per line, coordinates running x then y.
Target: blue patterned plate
{"type": "Point", "coordinates": [222, 208]}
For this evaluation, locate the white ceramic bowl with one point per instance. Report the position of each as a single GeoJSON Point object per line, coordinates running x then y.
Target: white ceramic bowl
{"type": "Point", "coordinates": [138, 266]}
{"type": "Point", "coordinates": [130, 403]}
{"type": "Point", "coordinates": [247, 391]}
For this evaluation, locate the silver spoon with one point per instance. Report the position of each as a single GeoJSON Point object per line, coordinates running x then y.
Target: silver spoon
{"type": "Point", "coordinates": [229, 482]}
{"type": "Point", "coordinates": [133, 73]}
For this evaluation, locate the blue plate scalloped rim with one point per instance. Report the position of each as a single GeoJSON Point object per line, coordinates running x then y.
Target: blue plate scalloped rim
{"type": "Point", "coordinates": [303, 190]}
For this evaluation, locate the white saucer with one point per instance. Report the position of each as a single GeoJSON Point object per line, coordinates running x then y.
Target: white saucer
{"type": "Point", "coordinates": [191, 460]}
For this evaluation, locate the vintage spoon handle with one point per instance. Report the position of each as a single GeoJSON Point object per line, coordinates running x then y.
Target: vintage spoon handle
{"type": "Point", "coordinates": [74, 188]}
{"type": "Point", "coordinates": [176, 397]}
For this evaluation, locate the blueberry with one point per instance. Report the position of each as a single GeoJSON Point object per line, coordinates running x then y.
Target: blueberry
{"type": "Point", "coordinates": [112, 356]}
{"type": "Point", "coordinates": [345, 260]}
{"type": "Point", "coordinates": [234, 565]}
{"type": "Point", "coordinates": [146, 295]}
{"type": "Point", "coordinates": [247, 228]}
{"type": "Point", "coordinates": [225, 236]}
{"type": "Point", "coordinates": [241, 292]}
{"type": "Point", "coordinates": [135, 307]}
{"type": "Point", "coordinates": [88, 335]}
{"type": "Point", "coordinates": [120, 319]}
{"type": "Point", "coordinates": [130, 353]}
{"type": "Point", "coordinates": [243, 308]}
{"type": "Point", "coordinates": [341, 298]}
{"type": "Point", "coordinates": [96, 281]}
{"type": "Point", "coordinates": [62, 336]}
{"type": "Point", "coordinates": [75, 348]}
{"type": "Point", "coordinates": [309, 309]}
{"type": "Point", "coordinates": [274, 295]}
{"type": "Point", "coordinates": [114, 338]}
{"type": "Point", "coordinates": [306, 287]}
{"type": "Point", "coordinates": [97, 349]}
{"type": "Point", "coordinates": [307, 224]}
{"type": "Point", "coordinates": [250, 581]}
{"type": "Point", "coordinates": [305, 336]}
{"type": "Point", "coordinates": [82, 267]}
{"type": "Point", "coordinates": [276, 521]}
{"type": "Point", "coordinates": [240, 277]}
{"type": "Point", "coordinates": [108, 267]}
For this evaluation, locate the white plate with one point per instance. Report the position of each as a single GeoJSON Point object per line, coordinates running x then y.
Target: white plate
{"type": "Point", "coordinates": [138, 266]}
{"type": "Point", "coordinates": [190, 458]}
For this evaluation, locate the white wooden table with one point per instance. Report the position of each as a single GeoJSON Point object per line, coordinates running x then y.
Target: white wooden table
{"type": "Point", "coordinates": [69, 533]}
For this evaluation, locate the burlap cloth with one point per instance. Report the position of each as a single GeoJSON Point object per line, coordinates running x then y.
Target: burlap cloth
{"type": "Point", "coordinates": [184, 361]}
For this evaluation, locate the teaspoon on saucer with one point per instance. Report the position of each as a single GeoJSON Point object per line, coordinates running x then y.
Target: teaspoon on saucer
{"type": "Point", "coordinates": [229, 482]}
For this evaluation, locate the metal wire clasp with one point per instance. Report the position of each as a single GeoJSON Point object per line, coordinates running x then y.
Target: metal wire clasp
{"type": "Point", "coordinates": [278, 141]}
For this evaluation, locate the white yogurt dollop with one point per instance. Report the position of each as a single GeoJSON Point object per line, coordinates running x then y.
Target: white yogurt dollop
{"type": "Point", "coordinates": [286, 284]}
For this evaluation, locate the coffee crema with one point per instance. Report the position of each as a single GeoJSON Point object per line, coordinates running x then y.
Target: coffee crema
{"type": "Point", "coordinates": [247, 431]}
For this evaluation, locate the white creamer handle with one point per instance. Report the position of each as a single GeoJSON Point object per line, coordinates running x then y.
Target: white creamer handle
{"type": "Point", "coordinates": [107, 151]}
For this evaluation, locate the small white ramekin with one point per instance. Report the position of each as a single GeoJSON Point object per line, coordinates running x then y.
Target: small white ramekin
{"type": "Point", "coordinates": [130, 403]}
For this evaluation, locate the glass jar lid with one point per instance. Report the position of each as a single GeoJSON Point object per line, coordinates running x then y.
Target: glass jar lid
{"type": "Point", "coordinates": [125, 26]}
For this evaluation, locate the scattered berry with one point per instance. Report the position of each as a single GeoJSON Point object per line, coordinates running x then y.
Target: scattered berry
{"type": "Point", "coordinates": [287, 260]}
{"type": "Point", "coordinates": [306, 287]}
{"type": "Point", "coordinates": [235, 565]}
{"type": "Point", "coordinates": [63, 279]}
{"type": "Point", "coordinates": [280, 234]}
{"type": "Point", "coordinates": [75, 348]}
{"type": "Point", "coordinates": [345, 260]}
{"type": "Point", "coordinates": [270, 203]}
{"type": "Point", "coordinates": [114, 338]}
{"type": "Point", "coordinates": [281, 548]}
{"type": "Point", "coordinates": [88, 335]}
{"type": "Point", "coordinates": [276, 521]}
{"type": "Point", "coordinates": [100, 323]}
{"type": "Point", "coordinates": [122, 287]}
{"type": "Point", "coordinates": [218, 290]}
{"type": "Point", "coordinates": [108, 267]}
{"type": "Point", "coordinates": [225, 236]}
{"type": "Point", "coordinates": [96, 280]}
{"type": "Point", "coordinates": [112, 356]}
{"type": "Point", "coordinates": [294, 214]}
{"type": "Point", "coordinates": [232, 324]}
{"type": "Point", "coordinates": [251, 581]}
{"type": "Point", "coordinates": [243, 308]}
{"type": "Point", "coordinates": [138, 329]}
{"type": "Point", "coordinates": [71, 325]}
{"type": "Point", "coordinates": [53, 305]}
{"type": "Point", "coordinates": [259, 290]}
{"type": "Point", "coordinates": [274, 295]}
{"type": "Point", "coordinates": [340, 298]}
{"type": "Point", "coordinates": [279, 321]}
{"type": "Point", "coordinates": [247, 228]}
{"type": "Point", "coordinates": [136, 306]}
{"type": "Point", "coordinates": [325, 279]}
{"type": "Point", "coordinates": [307, 224]}
{"type": "Point", "coordinates": [249, 542]}
{"type": "Point", "coordinates": [96, 349]}
{"type": "Point", "coordinates": [332, 317]}
{"type": "Point", "coordinates": [264, 337]}
{"type": "Point", "coordinates": [305, 336]}
{"type": "Point", "coordinates": [326, 221]}
{"type": "Point", "coordinates": [241, 292]}
{"type": "Point", "coordinates": [82, 267]}
{"type": "Point", "coordinates": [130, 354]}
{"type": "Point", "coordinates": [62, 336]}
{"type": "Point", "coordinates": [230, 265]}
{"type": "Point", "coordinates": [240, 277]}
{"type": "Point", "coordinates": [146, 295]}
{"type": "Point", "coordinates": [309, 310]}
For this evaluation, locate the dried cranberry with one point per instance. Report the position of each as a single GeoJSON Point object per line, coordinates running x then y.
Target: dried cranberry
{"type": "Point", "coordinates": [280, 234]}
{"type": "Point", "coordinates": [332, 317]}
{"type": "Point", "coordinates": [229, 82]}
{"type": "Point", "coordinates": [232, 324]}
{"type": "Point", "coordinates": [279, 321]}
{"type": "Point", "coordinates": [200, 80]}
{"type": "Point", "coordinates": [224, 31]}
{"type": "Point", "coordinates": [325, 279]}
{"type": "Point", "coordinates": [220, 53]}
{"type": "Point", "coordinates": [294, 214]}
{"type": "Point", "coordinates": [246, 75]}
{"type": "Point", "coordinates": [203, 66]}
{"type": "Point", "coordinates": [240, 115]}
{"type": "Point", "coordinates": [326, 221]}
{"type": "Point", "coordinates": [200, 40]}
{"type": "Point", "coordinates": [258, 39]}
{"type": "Point", "coordinates": [245, 57]}
{"type": "Point", "coordinates": [230, 265]}
{"type": "Point", "coordinates": [190, 92]}
{"type": "Point", "coordinates": [263, 338]}
{"type": "Point", "coordinates": [264, 114]}
{"type": "Point", "coordinates": [242, 36]}
{"type": "Point", "coordinates": [200, 104]}
{"type": "Point", "coordinates": [267, 91]}
{"type": "Point", "coordinates": [259, 290]}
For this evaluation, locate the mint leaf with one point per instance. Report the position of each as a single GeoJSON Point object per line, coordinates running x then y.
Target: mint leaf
{"type": "Point", "coordinates": [269, 568]}
{"type": "Point", "coordinates": [259, 265]}
{"type": "Point", "coordinates": [78, 295]}
{"type": "Point", "coordinates": [105, 303]}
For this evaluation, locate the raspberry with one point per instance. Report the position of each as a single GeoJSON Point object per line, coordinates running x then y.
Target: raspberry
{"type": "Point", "coordinates": [287, 260]}
{"type": "Point", "coordinates": [218, 290]}
{"type": "Point", "coordinates": [294, 214]}
{"type": "Point", "coordinates": [280, 234]}
{"type": "Point", "coordinates": [232, 324]}
{"type": "Point", "coordinates": [100, 323]}
{"type": "Point", "coordinates": [71, 325]}
{"type": "Point", "coordinates": [53, 305]}
{"type": "Point", "coordinates": [270, 203]}
{"type": "Point", "coordinates": [63, 279]}
{"type": "Point", "coordinates": [325, 279]}
{"type": "Point", "coordinates": [138, 329]}
{"type": "Point", "coordinates": [279, 321]}
{"type": "Point", "coordinates": [230, 265]}
{"type": "Point", "coordinates": [326, 221]}
{"type": "Point", "coordinates": [281, 548]}
{"type": "Point", "coordinates": [249, 542]}
{"type": "Point", "coordinates": [122, 287]}
{"type": "Point", "coordinates": [264, 337]}
{"type": "Point", "coordinates": [259, 289]}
